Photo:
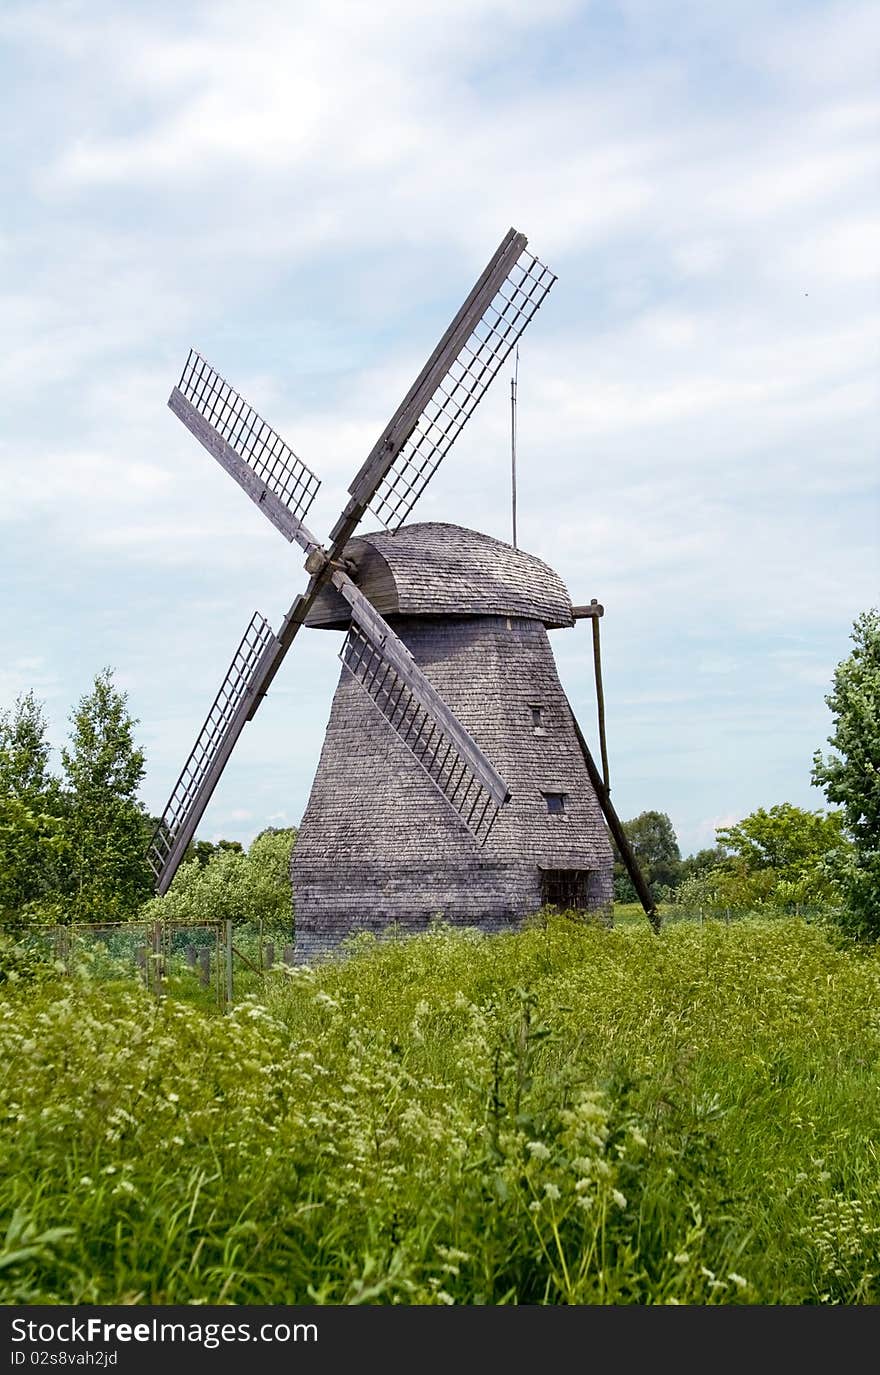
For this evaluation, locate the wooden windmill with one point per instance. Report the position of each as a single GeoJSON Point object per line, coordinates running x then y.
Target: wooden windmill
{"type": "Point", "coordinates": [454, 778]}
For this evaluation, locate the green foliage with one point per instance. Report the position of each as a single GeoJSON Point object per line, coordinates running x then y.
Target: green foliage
{"type": "Point", "coordinates": [563, 1116]}
{"type": "Point", "coordinates": [233, 886]}
{"type": "Point", "coordinates": [108, 876]}
{"type": "Point", "coordinates": [851, 775]}
{"type": "Point", "coordinates": [702, 862]}
{"type": "Point", "coordinates": [24, 753]}
{"type": "Point", "coordinates": [654, 843]}
{"type": "Point", "coordinates": [34, 847]}
{"type": "Point", "coordinates": [786, 839]}
{"type": "Point", "coordinates": [204, 850]}
{"type": "Point", "coordinates": [33, 838]}
{"type": "Point", "coordinates": [781, 858]}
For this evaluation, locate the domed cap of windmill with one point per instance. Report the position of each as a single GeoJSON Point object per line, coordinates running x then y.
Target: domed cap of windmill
{"type": "Point", "coordinates": [435, 569]}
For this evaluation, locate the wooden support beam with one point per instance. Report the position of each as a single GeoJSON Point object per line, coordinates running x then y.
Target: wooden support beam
{"type": "Point", "coordinates": [616, 828]}
{"type": "Point", "coordinates": [581, 613]}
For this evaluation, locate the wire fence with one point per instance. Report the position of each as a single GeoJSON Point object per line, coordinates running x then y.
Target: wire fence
{"type": "Point", "coordinates": [673, 913]}
{"type": "Point", "coordinates": [206, 958]}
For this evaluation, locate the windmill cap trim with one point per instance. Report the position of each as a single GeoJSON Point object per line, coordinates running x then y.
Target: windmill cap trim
{"type": "Point", "coordinates": [435, 569]}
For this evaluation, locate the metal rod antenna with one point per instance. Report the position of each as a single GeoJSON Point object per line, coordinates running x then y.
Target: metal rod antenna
{"type": "Point", "coordinates": [513, 382]}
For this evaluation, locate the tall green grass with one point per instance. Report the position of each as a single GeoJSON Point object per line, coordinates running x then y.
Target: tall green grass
{"type": "Point", "coordinates": [568, 1115]}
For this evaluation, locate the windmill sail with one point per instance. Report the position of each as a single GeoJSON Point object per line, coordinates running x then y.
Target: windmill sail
{"type": "Point", "coordinates": [452, 382]}
{"type": "Point", "coordinates": [387, 672]}
{"type": "Point", "coordinates": [201, 772]}
{"type": "Point", "coordinates": [246, 446]}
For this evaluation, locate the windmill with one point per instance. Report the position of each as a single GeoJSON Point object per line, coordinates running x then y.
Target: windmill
{"type": "Point", "coordinates": [408, 816]}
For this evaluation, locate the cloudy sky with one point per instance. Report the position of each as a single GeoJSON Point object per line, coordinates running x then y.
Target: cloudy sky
{"type": "Point", "coordinates": [305, 192]}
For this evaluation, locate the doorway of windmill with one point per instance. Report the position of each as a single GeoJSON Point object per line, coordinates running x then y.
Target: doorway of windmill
{"type": "Point", "coordinates": [566, 889]}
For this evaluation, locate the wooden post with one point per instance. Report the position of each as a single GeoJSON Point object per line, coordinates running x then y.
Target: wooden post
{"type": "Point", "coordinates": [157, 959]}
{"type": "Point", "coordinates": [270, 954]}
{"type": "Point", "coordinates": [229, 972]}
{"type": "Point", "coordinates": [289, 955]}
{"type": "Point", "coordinates": [205, 966]}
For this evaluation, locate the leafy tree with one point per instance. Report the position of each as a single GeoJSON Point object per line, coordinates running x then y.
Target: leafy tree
{"type": "Point", "coordinates": [24, 752]}
{"type": "Point", "coordinates": [702, 862]}
{"type": "Point", "coordinates": [234, 886]}
{"type": "Point", "coordinates": [108, 874]}
{"type": "Point", "coordinates": [785, 839]}
{"type": "Point", "coordinates": [655, 846]}
{"type": "Point", "coordinates": [32, 840]}
{"type": "Point", "coordinates": [779, 858]}
{"type": "Point", "coordinates": [33, 851]}
{"type": "Point", "coordinates": [851, 775]}
{"type": "Point", "coordinates": [270, 854]}
{"type": "Point", "coordinates": [204, 850]}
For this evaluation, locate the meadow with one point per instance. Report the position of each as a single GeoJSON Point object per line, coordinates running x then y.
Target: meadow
{"type": "Point", "coordinates": [566, 1115]}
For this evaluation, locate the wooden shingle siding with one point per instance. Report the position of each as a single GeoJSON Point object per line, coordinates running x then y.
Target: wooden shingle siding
{"type": "Point", "coordinates": [433, 569]}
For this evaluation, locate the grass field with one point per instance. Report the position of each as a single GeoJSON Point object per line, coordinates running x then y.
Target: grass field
{"type": "Point", "coordinates": [567, 1115]}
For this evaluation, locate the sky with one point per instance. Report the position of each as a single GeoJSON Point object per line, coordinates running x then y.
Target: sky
{"type": "Point", "coordinates": [305, 193]}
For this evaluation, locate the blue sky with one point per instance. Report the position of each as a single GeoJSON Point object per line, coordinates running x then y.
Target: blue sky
{"type": "Point", "coordinates": [305, 193]}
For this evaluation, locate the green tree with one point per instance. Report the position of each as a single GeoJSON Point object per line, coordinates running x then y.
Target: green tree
{"type": "Point", "coordinates": [203, 851]}
{"type": "Point", "coordinates": [786, 839]}
{"type": "Point", "coordinates": [24, 752]}
{"type": "Point", "coordinates": [32, 837]}
{"type": "Point", "coordinates": [692, 866]}
{"type": "Point", "coordinates": [850, 776]}
{"type": "Point", "coordinates": [233, 886]}
{"type": "Point", "coordinates": [108, 876]}
{"type": "Point", "coordinates": [775, 858]}
{"type": "Point", "coordinates": [655, 846]}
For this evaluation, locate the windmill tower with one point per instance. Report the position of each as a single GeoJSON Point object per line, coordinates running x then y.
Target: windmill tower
{"type": "Point", "coordinates": [454, 777]}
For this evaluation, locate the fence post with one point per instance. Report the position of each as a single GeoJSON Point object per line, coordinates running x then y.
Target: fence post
{"type": "Point", "coordinates": [157, 959]}
{"type": "Point", "coordinates": [204, 961]}
{"type": "Point", "coordinates": [229, 976]}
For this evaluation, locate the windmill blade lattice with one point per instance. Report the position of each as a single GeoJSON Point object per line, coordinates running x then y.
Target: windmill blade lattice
{"type": "Point", "coordinates": [246, 446]}
{"type": "Point", "coordinates": [200, 773]}
{"type": "Point", "coordinates": [453, 381]}
{"type": "Point", "coordinates": [434, 736]}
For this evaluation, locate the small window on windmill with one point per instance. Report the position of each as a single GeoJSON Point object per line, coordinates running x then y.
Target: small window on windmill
{"type": "Point", "coordinates": [555, 803]}
{"type": "Point", "coordinates": [537, 711]}
{"type": "Point", "coordinates": [565, 889]}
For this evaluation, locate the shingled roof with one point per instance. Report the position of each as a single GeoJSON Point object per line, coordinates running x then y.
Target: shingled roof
{"type": "Point", "coordinates": [434, 569]}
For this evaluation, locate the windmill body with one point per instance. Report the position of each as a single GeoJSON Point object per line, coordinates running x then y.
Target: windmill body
{"type": "Point", "coordinates": [378, 844]}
